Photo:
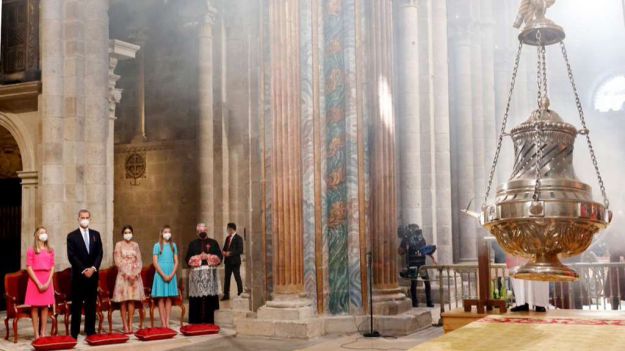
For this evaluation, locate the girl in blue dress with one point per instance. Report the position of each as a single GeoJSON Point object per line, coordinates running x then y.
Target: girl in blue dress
{"type": "Point", "coordinates": [165, 285]}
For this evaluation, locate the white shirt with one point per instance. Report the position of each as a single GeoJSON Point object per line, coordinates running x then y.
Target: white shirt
{"type": "Point", "coordinates": [85, 237]}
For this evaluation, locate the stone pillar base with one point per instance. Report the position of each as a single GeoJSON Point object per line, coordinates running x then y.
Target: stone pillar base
{"type": "Point", "coordinates": [283, 317]}
{"type": "Point", "coordinates": [239, 308]}
{"type": "Point", "coordinates": [391, 304]}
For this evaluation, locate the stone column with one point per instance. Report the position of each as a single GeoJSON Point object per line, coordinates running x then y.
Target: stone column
{"type": "Point", "coordinates": [408, 94]}
{"type": "Point", "coordinates": [118, 50]}
{"type": "Point", "coordinates": [205, 138]}
{"type": "Point", "coordinates": [52, 126]}
{"type": "Point", "coordinates": [96, 148]}
{"type": "Point", "coordinates": [383, 202]}
{"type": "Point", "coordinates": [439, 66]}
{"type": "Point", "coordinates": [30, 181]}
{"type": "Point", "coordinates": [140, 134]}
{"type": "Point", "coordinates": [462, 112]}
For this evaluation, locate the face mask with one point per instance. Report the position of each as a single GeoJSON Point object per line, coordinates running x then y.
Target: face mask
{"type": "Point", "coordinates": [128, 236]}
{"type": "Point", "coordinates": [43, 237]}
{"type": "Point", "coordinates": [203, 235]}
{"type": "Point", "coordinates": [84, 223]}
{"type": "Point", "coordinates": [167, 236]}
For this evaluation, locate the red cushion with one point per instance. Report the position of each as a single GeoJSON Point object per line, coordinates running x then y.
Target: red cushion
{"type": "Point", "coordinates": [148, 334]}
{"type": "Point", "coordinates": [199, 329]}
{"type": "Point", "coordinates": [106, 339]}
{"type": "Point", "coordinates": [54, 343]}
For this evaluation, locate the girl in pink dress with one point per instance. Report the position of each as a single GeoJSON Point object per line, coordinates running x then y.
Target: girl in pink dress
{"type": "Point", "coordinates": [39, 290]}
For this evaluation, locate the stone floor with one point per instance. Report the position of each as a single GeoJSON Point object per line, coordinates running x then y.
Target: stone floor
{"type": "Point", "coordinates": [228, 340]}
{"type": "Point", "coordinates": [325, 343]}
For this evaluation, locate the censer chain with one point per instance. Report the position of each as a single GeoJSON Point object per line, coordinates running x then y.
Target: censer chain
{"type": "Point", "coordinates": [504, 122]}
{"type": "Point", "coordinates": [580, 110]}
{"type": "Point", "coordinates": [543, 104]}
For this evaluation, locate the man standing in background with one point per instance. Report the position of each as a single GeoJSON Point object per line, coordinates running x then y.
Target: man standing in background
{"type": "Point", "coordinates": [232, 251]}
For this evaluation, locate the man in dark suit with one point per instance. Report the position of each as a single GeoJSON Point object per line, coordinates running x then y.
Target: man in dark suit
{"type": "Point", "coordinates": [84, 251]}
{"type": "Point", "coordinates": [233, 249]}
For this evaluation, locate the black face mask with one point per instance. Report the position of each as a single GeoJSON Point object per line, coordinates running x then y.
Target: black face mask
{"type": "Point", "coordinates": [203, 235]}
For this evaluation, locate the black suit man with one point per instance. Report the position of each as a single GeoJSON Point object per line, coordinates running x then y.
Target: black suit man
{"type": "Point", "coordinates": [232, 250]}
{"type": "Point", "coordinates": [84, 251]}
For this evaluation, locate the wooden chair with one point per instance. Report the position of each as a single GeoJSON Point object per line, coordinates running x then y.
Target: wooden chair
{"type": "Point", "coordinates": [108, 276]}
{"type": "Point", "coordinates": [147, 275]}
{"type": "Point", "coordinates": [63, 296]}
{"type": "Point", "coordinates": [15, 292]}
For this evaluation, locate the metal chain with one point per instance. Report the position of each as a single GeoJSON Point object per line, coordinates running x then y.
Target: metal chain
{"type": "Point", "coordinates": [504, 122]}
{"type": "Point", "coordinates": [541, 80]}
{"type": "Point", "coordinates": [585, 130]}
{"type": "Point", "coordinates": [538, 142]}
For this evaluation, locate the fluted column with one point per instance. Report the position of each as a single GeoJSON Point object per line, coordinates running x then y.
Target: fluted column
{"type": "Point", "coordinates": [205, 131]}
{"type": "Point", "coordinates": [440, 133]}
{"type": "Point", "coordinates": [462, 138]}
{"type": "Point", "coordinates": [408, 94]}
{"type": "Point", "coordinates": [286, 148]}
{"type": "Point", "coordinates": [384, 211]}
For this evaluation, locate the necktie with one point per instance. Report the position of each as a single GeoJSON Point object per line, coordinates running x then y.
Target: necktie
{"type": "Point", "coordinates": [85, 237]}
{"type": "Point", "coordinates": [228, 243]}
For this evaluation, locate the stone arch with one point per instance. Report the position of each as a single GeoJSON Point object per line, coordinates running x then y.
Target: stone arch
{"type": "Point", "coordinates": [26, 146]}
{"type": "Point", "coordinates": [27, 143]}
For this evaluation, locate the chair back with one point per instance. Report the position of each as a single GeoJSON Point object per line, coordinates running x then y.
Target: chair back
{"type": "Point", "coordinates": [108, 276]}
{"type": "Point", "coordinates": [147, 276]}
{"type": "Point", "coordinates": [63, 282]}
{"type": "Point", "coordinates": [15, 287]}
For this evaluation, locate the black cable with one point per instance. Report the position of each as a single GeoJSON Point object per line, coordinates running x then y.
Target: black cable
{"type": "Point", "coordinates": [345, 346]}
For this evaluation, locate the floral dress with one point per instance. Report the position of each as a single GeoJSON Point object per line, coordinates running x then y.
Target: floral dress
{"type": "Point", "coordinates": [128, 261]}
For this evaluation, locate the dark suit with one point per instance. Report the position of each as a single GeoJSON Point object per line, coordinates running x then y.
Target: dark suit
{"type": "Point", "coordinates": [232, 263]}
{"type": "Point", "coordinates": [84, 289]}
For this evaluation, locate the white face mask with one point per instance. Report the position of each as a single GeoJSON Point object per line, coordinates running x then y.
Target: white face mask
{"type": "Point", "coordinates": [128, 236]}
{"type": "Point", "coordinates": [84, 223]}
{"type": "Point", "coordinates": [167, 236]}
{"type": "Point", "coordinates": [43, 237]}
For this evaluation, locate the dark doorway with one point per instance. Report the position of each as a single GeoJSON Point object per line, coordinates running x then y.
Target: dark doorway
{"type": "Point", "coordinates": [10, 229]}
{"type": "Point", "coordinates": [10, 208]}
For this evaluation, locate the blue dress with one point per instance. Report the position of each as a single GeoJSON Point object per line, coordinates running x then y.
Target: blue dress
{"type": "Point", "coordinates": [166, 260]}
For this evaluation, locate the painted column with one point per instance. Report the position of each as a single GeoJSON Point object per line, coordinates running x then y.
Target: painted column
{"type": "Point", "coordinates": [383, 201]}
{"type": "Point", "coordinates": [286, 149]}
{"type": "Point", "coordinates": [408, 94]}
{"type": "Point", "coordinates": [205, 138]}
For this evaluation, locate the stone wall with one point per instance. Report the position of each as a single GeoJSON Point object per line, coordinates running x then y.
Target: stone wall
{"type": "Point", "coordinates": [166, 195]}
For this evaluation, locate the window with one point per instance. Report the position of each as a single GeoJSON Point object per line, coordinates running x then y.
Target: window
{"type": "Point", "coordinates": [610, 96]}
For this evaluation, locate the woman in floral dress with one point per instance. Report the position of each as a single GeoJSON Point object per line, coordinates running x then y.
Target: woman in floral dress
{"type": "Point", "coordinates": [128, 286]}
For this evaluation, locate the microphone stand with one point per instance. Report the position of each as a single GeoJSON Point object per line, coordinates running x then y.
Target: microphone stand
{"type": "Point", "coordinates": [372, 333]}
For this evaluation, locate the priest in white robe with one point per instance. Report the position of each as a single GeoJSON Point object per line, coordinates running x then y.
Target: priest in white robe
{"type": "Point", "coordinates": [528, 294]}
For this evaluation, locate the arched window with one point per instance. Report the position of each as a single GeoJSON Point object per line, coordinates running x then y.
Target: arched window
{"type": "Point", "coordinates": [610, 96]}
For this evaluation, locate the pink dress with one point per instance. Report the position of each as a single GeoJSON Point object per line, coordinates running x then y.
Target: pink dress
{"type": "Point", "coordinates": [41, 264]}
{"type": "Point", "coordinates": [128, 261]}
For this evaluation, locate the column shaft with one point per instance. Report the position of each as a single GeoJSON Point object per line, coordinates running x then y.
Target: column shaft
{"type": "Point", "coordinates": [286, 148]}
{"type": "Point", "coordinates": [205, 137]}
{"type": "Point", "coordinates": [383, 172]}
{"type": "Point", "coordinates": [408, 93]}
